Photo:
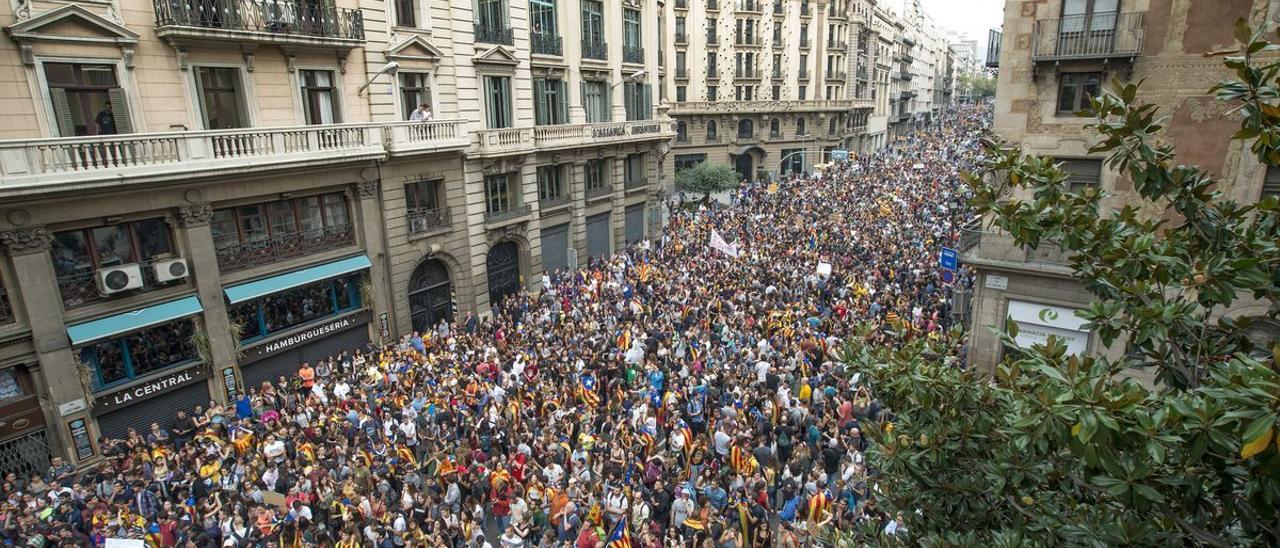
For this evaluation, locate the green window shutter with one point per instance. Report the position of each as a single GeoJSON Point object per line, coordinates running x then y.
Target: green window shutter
{"type": "Point", "coordinates": [62, 112]}
{"type": "Point", "coordinates": [120, 107]}
{"type": "Point", "coordinates": [539, 101]}
{"type": "Point", "coordinates": [242, 100]}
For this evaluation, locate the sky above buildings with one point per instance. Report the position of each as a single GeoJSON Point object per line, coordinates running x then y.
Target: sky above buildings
{"type": "Point", "coordinates": [968, 17]}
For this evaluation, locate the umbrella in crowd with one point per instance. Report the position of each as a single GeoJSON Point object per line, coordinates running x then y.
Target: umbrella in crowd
{"type": "Point", "coordinates": [687, 391]}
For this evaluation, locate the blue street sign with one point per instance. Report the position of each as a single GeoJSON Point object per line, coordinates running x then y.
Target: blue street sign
{"type": "Point", "coordinates": [949, 259]}
{"type": "Point", "coordinates": [839, 155]}
{"type": "Point", "coordinates": [948, 276]}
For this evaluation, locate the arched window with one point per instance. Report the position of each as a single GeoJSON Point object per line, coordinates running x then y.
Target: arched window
{"type": "Point", "coordinates": [831, 127]}
{"type": "Point", "coordinates": [775, 127]}
{"type": "Point", "coordinates": [746, 129]}
{"type": "Point", "coordinates": [682, 131]}
{"type": "Point", "coordinates": [712, 134]}
{"type": "Point", "coordinates": [800, 130]}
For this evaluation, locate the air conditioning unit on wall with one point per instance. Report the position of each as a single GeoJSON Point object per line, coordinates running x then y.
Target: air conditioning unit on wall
{"type": "Point", "coordinates": [170, 270]}
{"type": "Point", "coordinates": [120, 278]}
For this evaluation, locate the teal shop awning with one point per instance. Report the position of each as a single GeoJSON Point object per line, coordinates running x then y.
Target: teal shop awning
{"type": "Point", "coordinates": [111, 326]}
{"type": "Point", "coordinates": [252, 290]}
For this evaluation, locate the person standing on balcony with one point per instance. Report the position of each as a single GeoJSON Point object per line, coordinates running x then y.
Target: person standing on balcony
{"type": "Point", "coordinates": [105, 120]}
{"type": "Point", "coordinates": [422, 114]}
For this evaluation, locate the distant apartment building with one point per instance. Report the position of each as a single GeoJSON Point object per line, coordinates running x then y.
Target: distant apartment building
{"type": "Point", "coordinates": [1052, 56]}
{"type": "Point", "coordinates": [198, 196]}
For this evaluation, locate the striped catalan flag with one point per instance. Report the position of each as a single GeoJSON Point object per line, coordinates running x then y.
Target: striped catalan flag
{"type": "Point", "coordinates": [620, 537]}
{"type": "Point", "coordinates": [819, 506]}
{"type": "Point", "coordinates": [739, 459]}
{"type": "Point", "coordinates": [687, 434]}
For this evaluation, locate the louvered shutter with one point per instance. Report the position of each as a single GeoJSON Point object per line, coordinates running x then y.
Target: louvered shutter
{"type": "Point", "coordinates": [120, 108]}
{"type": "Point", "coordinates": [242, 100]}
{"type": "Point", "coordinates": [62, 112]}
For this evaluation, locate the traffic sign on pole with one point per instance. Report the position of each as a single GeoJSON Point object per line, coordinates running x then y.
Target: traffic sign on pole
{"type": "Point", "coordinates": [949, 259]}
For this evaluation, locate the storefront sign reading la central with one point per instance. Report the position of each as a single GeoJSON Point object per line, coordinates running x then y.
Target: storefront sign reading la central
{"type": "Point", "coordinates": [149, 389]}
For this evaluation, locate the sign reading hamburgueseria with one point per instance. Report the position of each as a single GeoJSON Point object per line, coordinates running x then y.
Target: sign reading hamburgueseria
{"type": "Point", "coordinates": [280, 344]}
{"type": "Point", "coordinates": [151, 388]}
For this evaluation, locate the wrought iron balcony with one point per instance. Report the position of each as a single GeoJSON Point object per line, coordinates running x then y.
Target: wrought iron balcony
{"type": "Point", "coordinates": [422, 220]}
{"type": "Point", "coordinates": [553, 203]}
{"type": "Point", "coordinates": [595, 49]}
{"type": "Point", "coordinates": [236, 255]}
{"type": "Point", "coordinates": [633, 54]}
{"type": "Point", "coordinates": [282, 21]}
{"type": "Point", "coordinates": [544, 43]}
{"type": "Point", "coordinates": [81, 287]}
{"type": "Point", "coordinates": [1090, 36]}
{"type": "Point", "coordinates": [804, 42]}
{"type": "Point", "coordinates": [599, 191]}
{"type": "Point", "coordinates": [747, 40]}
{"type": "Point", "coordinates": [837, 44]}
{"type": "Point", "coordinates": [748, 74]}
{"type": "Point", "coordinates": [494, 34]}
{"type": "Point", "coordinates": [682, 73]}
{"type": "Point", "coordinates": [991, 245]}
{"type": "Point", "coordinates": [837, 75]}
{"type": "Point", "coordinates": [507, 214]}
{"type": "Point", "coordinates": [804, 74]}
{"type": "Point", "coordinates": [905, 75]}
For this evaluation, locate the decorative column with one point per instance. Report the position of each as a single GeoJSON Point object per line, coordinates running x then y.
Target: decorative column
{"type": "Point", "coordinates": [37, 288]}
{"type": "Point", "coordinates": [192, 225]}
{"type": "Point", "coordinates": [369, 227]}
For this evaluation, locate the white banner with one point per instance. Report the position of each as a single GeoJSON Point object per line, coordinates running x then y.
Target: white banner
{"type": "Point", "coordinates": [718, 244]}
{"type": "Point", "coordinates": [1037, 322]}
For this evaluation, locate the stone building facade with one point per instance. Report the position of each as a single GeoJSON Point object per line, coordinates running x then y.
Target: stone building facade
{"type": "Point", "coordinates": [195, 197]}
{"type": "Point", "coordinates": [1048, 67]}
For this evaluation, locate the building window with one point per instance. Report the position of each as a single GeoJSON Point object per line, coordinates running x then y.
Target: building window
{"type": "Point", "coordinates": [801, 93]}
{"type": "Point", "coordinates": [542, 14]}
{"type": "Point", "coordinates": [254, 234]}
{"type": "Point", "coordinates": [1075, 89]}
{"type": "Point", "coordinates": [1271, 183]}
{"type": "Point", "coordinates": [497, 101]}
{"type": "Point", "coordinates": [682, 65]}
{"type": "Point", "coordinates": [711, 30]}
{"type": "Point", "coordinates": [137, 354]}
{"type": "Point", "coordinates": [775, 128]}
{"type": "Point", "coordinates": [712, 131]}
{"type": "Point", "coordinates": [711, 93]}
{"type": "Point", "coordinates": [1082, 172]}
{"type": "Point", "coordinates": [777, 65]}
{"type": "Point", "coordinates": [6, 312]}
{"type": "Point", "coordinates": [551, 183]}
{"type": "Point", "coordinates": [596, 101]}
{"type": "Point", "coordinates": [680, 30]}
{"type": "Point", "coordinates": [746, 129]}
{"type": "Point", "coordinates": [318, 102]}
{"type": "Point", "coordinates": [406, 13]}
{"type": "Point", "coordinates": [800, 129]}
{"type": "Point", "coordinates": [492, 14]}
{"type": "Point", "coordinates": [222, 100]}
{"type": "Point", "coordinates": [415, 90]}
{"type": "Point", "coordinates": [594, 175]}
{"type": "Point", "coordinates": [631, 36]}
{"type": "Point", "coordinates": [637, 100]}
{"type": "Point", "coordinates": [593, 22]}
{"type": "Point", "coordinates": [499, 193]}
{"type": "Point", "coordinates": [87, 100]}
{"type": "Point", "coordinates": [711, 62]}
{"type": "Point", "coordinates": [634, 168]}
{"type": "Point", "coordinates": [682, 132]}
{"type": "Point", "coordinates": [422, 195]}
{"type": "Point", "coordinates": [831, 126]}
{"type": "Point", "coordinates": [1100, 15]}
{"type": "Point", "coordinates": [777, 93]}
{"type": "Point", "coordinates": [681, 93]}
{"type": "Point", "coordinates": [777, 32]}
{"type": "Point", "coordinates": [550, 102]}
{"type": "Point", "coordinates": [78, 254]}
{"type": "Point", "coordinates": [281, 311]}
{"type": "Point", "coordinates": [686, 161]}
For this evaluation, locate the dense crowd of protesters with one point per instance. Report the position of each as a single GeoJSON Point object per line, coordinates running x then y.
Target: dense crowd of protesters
{"type": "Point", "coordinates": [671, 395]}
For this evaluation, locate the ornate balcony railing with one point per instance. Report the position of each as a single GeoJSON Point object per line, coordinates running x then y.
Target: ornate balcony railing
{"type": "Point", "coordinates": [514, 212]}
{"type": "Point", "coordinates": [804, 42]}
{"type": "Point", "coordinates": [422, 220]}
{"type": "Point", "coordinates": [682, 73]}
{"type": "Point", "coordinates": [697, 107]}
{"type": "Point", "coordinates": [837, 44]}
{"type": "Point", "coordinates": [593, 49]}
{"type": "Point", "coordinates": [747, 40]}
{"type": "Point", "coordinates": [599, 191]}
{"type": "Point", "coordinates": [682, 4]}
{"type": "Point", "coordinates": [279, 17]}
{"type": "Point", "coordinates": [553, 202]}
{"type": "Point", "coordinates": [568, 136]}
{"type": "Point", "coordinates": [748, 74]}
{"type": "Point", "coordinates": [542, 43]}
{"type": "Point", "coordinates": [804, 74]}
{"type": "Point", "coordinates": [1090, 36]}
{"type": "Point", "coordinates": [682, 38]}
{"type": "Point", "coordinates": [494, 34]}
{"type": "Point", "coordinates": [633, 54]}
{"type": "Point", "coordinates": [837, 75]}
{"type": "Point", "coordinates": [992, 245]}
{"type": "Point", "coordinates": [236, 255]}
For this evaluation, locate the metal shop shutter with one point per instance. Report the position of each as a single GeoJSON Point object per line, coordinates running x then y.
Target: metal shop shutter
{"type": "Point", "coordinates": [286, 363]}
{"type": "Point", "coordinates": [162, 409]}
{"type": "Point", "coordinates": [555, 247]}
{"type": "Point", "coordinates": [598, 235]}
{"type": "Point", "coordinates": [635, 223]}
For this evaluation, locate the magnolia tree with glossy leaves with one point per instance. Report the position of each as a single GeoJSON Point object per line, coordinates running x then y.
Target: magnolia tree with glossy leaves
{"type": "Point", "coordinates": [1062, 449]}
